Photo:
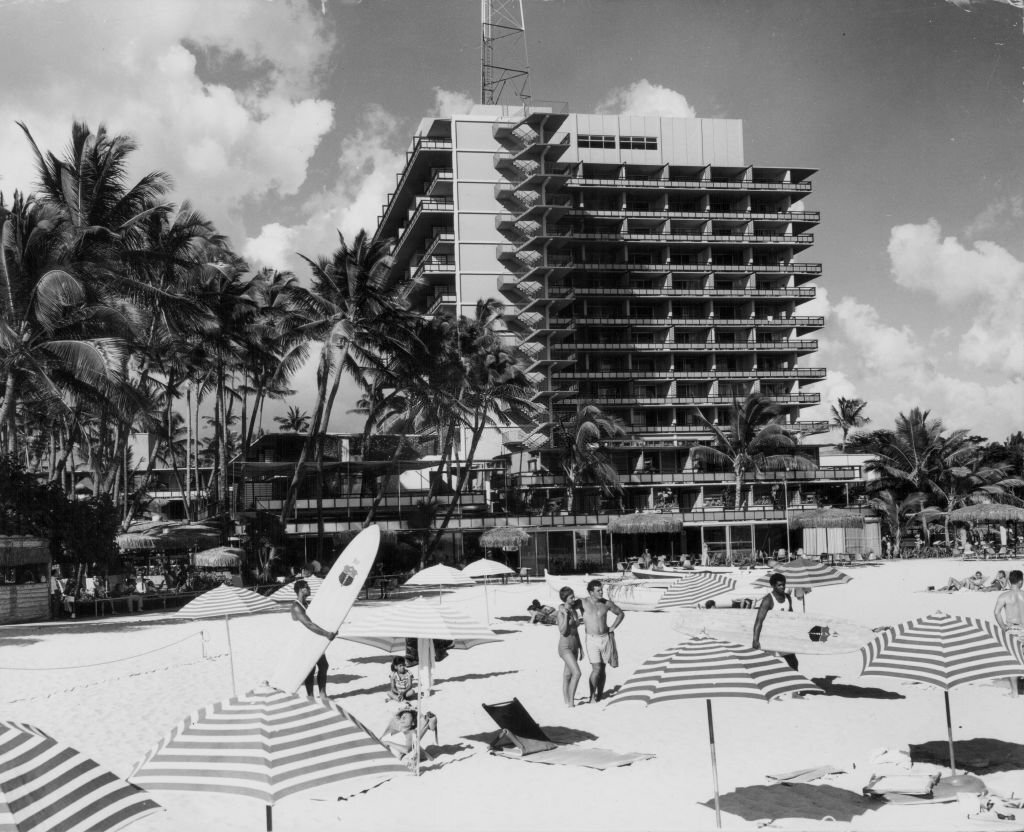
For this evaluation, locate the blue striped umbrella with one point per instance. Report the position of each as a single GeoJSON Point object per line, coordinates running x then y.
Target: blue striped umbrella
{"type": "Point", "coordinates": [696, 589]}
{"type": "Point", "coordinates": [226, 601]}
{"type": "Point", "coordinates": [47, 786]}
{"type": "Point", "coordinates": [945, 651]}
{"type": "Point", "coordinates": [707, 668]}
{"type": "Point", "coordinates": [266, 745]}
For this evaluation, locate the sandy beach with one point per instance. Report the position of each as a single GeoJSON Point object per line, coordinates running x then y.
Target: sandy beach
{"type": "Point", "coordinates": [113, 687]}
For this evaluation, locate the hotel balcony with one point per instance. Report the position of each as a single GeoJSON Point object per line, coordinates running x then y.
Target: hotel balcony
{"type": "Point", "coordinates": [701, 268]}
{"type": "Point", "coordinates": [783, 345]}
{"type": "Point", "coordinates": [800, 322]}
{"type": "Point", "coordinates": [693, 185]}
{"type": "Point", "coordinates": [628, 401]}
{"type": "Point", "coordinates": [814, 373]}
{"type": "Point", "coordinates": [425, 154]}
{"type": "Point", "coordinates": [808, 218]}
{"type": "Point", "coordinates": [738, 292]}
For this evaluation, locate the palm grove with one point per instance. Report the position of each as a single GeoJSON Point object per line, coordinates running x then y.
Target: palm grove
{"type": "Point", "coordinates": [124, 311]}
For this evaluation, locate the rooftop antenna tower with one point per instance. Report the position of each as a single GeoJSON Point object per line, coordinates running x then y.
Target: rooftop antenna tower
{"type": "Point", "coordinates": [505, 69]}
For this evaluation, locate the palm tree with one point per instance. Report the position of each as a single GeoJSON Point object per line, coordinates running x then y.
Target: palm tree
{"type": "Point", "coordinates": [972, 482]}
{"type": "Point", "coordinates": [580, 454]}
{"type": "Point", "coordinates": [295, 421]}
{"type": "Point", "coordinates": [848, 414]}
{"type": "Point", "coordinates": [354, 308]}
{"type": "Point", "coordinates": [897, 512]}
{"type": "Point", "coordinates": [57, 338]}
{"type": "Point", "coordinates": [489, 383]}
{"type": "Point", "coordinates": [755, 440]}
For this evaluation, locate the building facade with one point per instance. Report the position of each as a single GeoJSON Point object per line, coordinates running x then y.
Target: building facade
{"type": "Point", "coordinates": [648, 269]}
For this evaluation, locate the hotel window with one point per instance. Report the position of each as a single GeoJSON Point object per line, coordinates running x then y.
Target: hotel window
{"type": "Point", "coordinates": [638, 143]}
{"type": "Point", "coordinates": [597, 142]}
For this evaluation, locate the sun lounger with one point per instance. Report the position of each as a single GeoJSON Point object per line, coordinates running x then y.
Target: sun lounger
{"type": "Point", "coordinates": [520, 737]}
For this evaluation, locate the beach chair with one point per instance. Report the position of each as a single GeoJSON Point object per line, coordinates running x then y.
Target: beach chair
{"type": "Point", "coordinates": [519, 732]}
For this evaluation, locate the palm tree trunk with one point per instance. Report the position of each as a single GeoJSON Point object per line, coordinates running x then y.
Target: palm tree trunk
{"type": "Point", "coordinates": [478, 432]}
{"type": "Point", "coordinates": [309, 445]}
{"type": "Point", "coordinates": [7, 415]}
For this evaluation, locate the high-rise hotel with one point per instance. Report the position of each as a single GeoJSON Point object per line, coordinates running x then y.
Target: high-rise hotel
{"type": "Point", "coordinates": [648, 269]}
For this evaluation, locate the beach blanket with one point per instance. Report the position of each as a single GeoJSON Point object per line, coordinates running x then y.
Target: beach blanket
{"type": "Point", "coordinates": [599, 758]}
{"type": "Point", "coordinates": [799, 800]}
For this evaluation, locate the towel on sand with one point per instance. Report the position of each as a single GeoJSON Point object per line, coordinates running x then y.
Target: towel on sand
{"type": "Point", "coordinates": [599, 758]}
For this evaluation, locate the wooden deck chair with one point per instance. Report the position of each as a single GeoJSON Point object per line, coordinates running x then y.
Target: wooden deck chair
{"type": "Point", "coordinates": [519, 732]}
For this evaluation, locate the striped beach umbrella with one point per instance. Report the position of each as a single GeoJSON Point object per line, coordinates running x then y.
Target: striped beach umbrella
{"type": "Point", "coordinates": [286, 594]}
{"type": "Point", "coordinates": [47, 786]}
{"type": "Point", "coordinates": [267, 745]}
{"type": "Point", "coordinates": [440, 575]}
{"type": "Point", "coordinates": [802, 573]}
{"type": "Point", "coordinates": [707, 668]}
{"type": "Point", "coordinates": [227, 601]}
{"type": "Point", "coordinates": [696, 589]}
{"type": "Point", "coordinates": [945, 651]}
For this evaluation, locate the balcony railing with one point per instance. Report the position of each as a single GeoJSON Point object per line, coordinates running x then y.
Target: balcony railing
{"type": "Point", "coordinates": [704, 346]}
{"type": "Point", "coordinates": [691, 184]}
{"type": "Point", "coordinates": [669, 292]}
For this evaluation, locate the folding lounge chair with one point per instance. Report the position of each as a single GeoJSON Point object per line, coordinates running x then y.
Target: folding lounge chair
{"type": "Point", "coordinates": [518, 730]}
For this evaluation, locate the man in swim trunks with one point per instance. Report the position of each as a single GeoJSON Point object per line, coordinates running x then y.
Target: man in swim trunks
{"type": "Point", "coordinates": [776, 602]}
{"type": "Point", "coordinates": [600, 640]}
{"type": "Point", "coordinates": [1009, 614]}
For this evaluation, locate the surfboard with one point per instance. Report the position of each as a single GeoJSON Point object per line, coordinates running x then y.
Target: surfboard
{"type": "Point", "coordinates": [328, 609]}
{"type": "Point", "coordinates": [790, 633]}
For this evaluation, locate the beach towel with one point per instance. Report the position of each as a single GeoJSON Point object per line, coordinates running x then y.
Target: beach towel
{"type": "Point", "coordinates": [599, 758]}
{"type": "Point", "coordinates": [918, 785]}
{"type": "Point", "coordinates": [805, 775]}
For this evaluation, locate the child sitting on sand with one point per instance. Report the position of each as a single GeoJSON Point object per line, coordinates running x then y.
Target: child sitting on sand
{"type": "Point", "coordinates": [400, 736]}
{"type": "Point", "coordinates": [402, 683]}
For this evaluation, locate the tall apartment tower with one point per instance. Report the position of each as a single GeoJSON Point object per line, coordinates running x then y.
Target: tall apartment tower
{"type": "Point", "coordinates": [647, 267]}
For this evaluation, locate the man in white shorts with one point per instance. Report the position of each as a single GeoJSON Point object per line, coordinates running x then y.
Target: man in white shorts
{"type": "Point", "coordinates": [1009, 613]}
{"type": "Point", "coordinates": [599, 643]}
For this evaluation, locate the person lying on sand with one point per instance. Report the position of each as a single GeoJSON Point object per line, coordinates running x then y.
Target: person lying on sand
{"type": "Point", "coordinates": [999, 583]}
{"type": "Point", "coordinates": [975, 581]}
{"type": "Point", "coordinates": [541, 613]}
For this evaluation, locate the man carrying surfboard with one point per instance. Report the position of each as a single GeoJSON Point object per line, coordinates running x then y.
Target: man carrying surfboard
{"type": "Point", "coordinates": [600, 639]}
{"type": "Point", "coordinates": [776, 602]}
{"type": "Point", "coordinates": [299, 614]}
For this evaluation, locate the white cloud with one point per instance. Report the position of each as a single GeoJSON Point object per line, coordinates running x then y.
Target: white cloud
{"type": "Point", "coordinates": [250, 133]}
{"type": "Point", "coordinates": [448, 103]}
{"type": "Point", "coordinates": [984, 284]}
{"type": "Point", "coordinates": [646, 99]}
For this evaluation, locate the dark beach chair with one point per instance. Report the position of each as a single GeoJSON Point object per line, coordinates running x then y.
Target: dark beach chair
{"type": "Point", "coordinates": [519, 730]}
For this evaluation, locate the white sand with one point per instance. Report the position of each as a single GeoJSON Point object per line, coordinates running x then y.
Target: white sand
{"type": "Point", "coordinates": [116, 709]}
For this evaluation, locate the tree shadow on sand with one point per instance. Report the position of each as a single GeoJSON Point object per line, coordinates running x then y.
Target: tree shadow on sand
{"type": "Point", "coordinates": [372, 660]}
{"type": "Point", "coordinates": [830, 688]}
{"type": "Point", "coordinates": [468, 676]}
{"type": "Point", "coordinates": [344, 678]}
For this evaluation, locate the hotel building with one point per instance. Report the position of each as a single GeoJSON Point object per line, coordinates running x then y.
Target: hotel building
{"type": "Point", "coordinates": [648, 268]}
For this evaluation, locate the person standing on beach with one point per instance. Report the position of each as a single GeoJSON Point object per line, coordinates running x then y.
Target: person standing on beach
{"type": "Point", "coordinates": [777, 602]}
{"type": "Point", "coordinates": [569, 648]}
{"type": "Point", "coordinates": [299, 614]}
{"type": "Point", "coordinates": [1009, 614]}
{"type": "Point", "coordinates": [600, 640]}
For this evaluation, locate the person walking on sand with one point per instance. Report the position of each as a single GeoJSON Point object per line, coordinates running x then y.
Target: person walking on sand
{"type": "Point", "coordinates": [569, 648]}
{"type": "Point", "coordinates": [1009, 614]}
{"type": "Point", "coordinates": [299, 614]}
{"type": "Point", "coordinates": [776, 602]}
{"type": "Point", "coordinates": [600, 637]}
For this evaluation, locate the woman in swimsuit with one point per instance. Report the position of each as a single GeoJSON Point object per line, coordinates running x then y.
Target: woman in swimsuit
{"type": "Point", "coordinates": [569, 647]}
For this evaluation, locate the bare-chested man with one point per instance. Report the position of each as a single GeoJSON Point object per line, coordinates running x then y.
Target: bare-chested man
{"type": "Point", "coordinates": [1009, 613]}
{"type": "Point", "coordinates": [600, 639]}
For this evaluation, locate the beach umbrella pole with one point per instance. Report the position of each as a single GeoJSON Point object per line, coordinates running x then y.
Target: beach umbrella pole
{"type": "Point", "coordinates": [949, 730]}
{"type": "Point", "coordinates": [231, 656]}
{"type": "Point", "coordinates": [270, 818]}
{"type": "Point", "coordinates": [714, 764]}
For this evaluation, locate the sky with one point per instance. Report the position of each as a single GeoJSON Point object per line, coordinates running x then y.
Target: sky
{"type": "Point", "coordinates": [285, 121]}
